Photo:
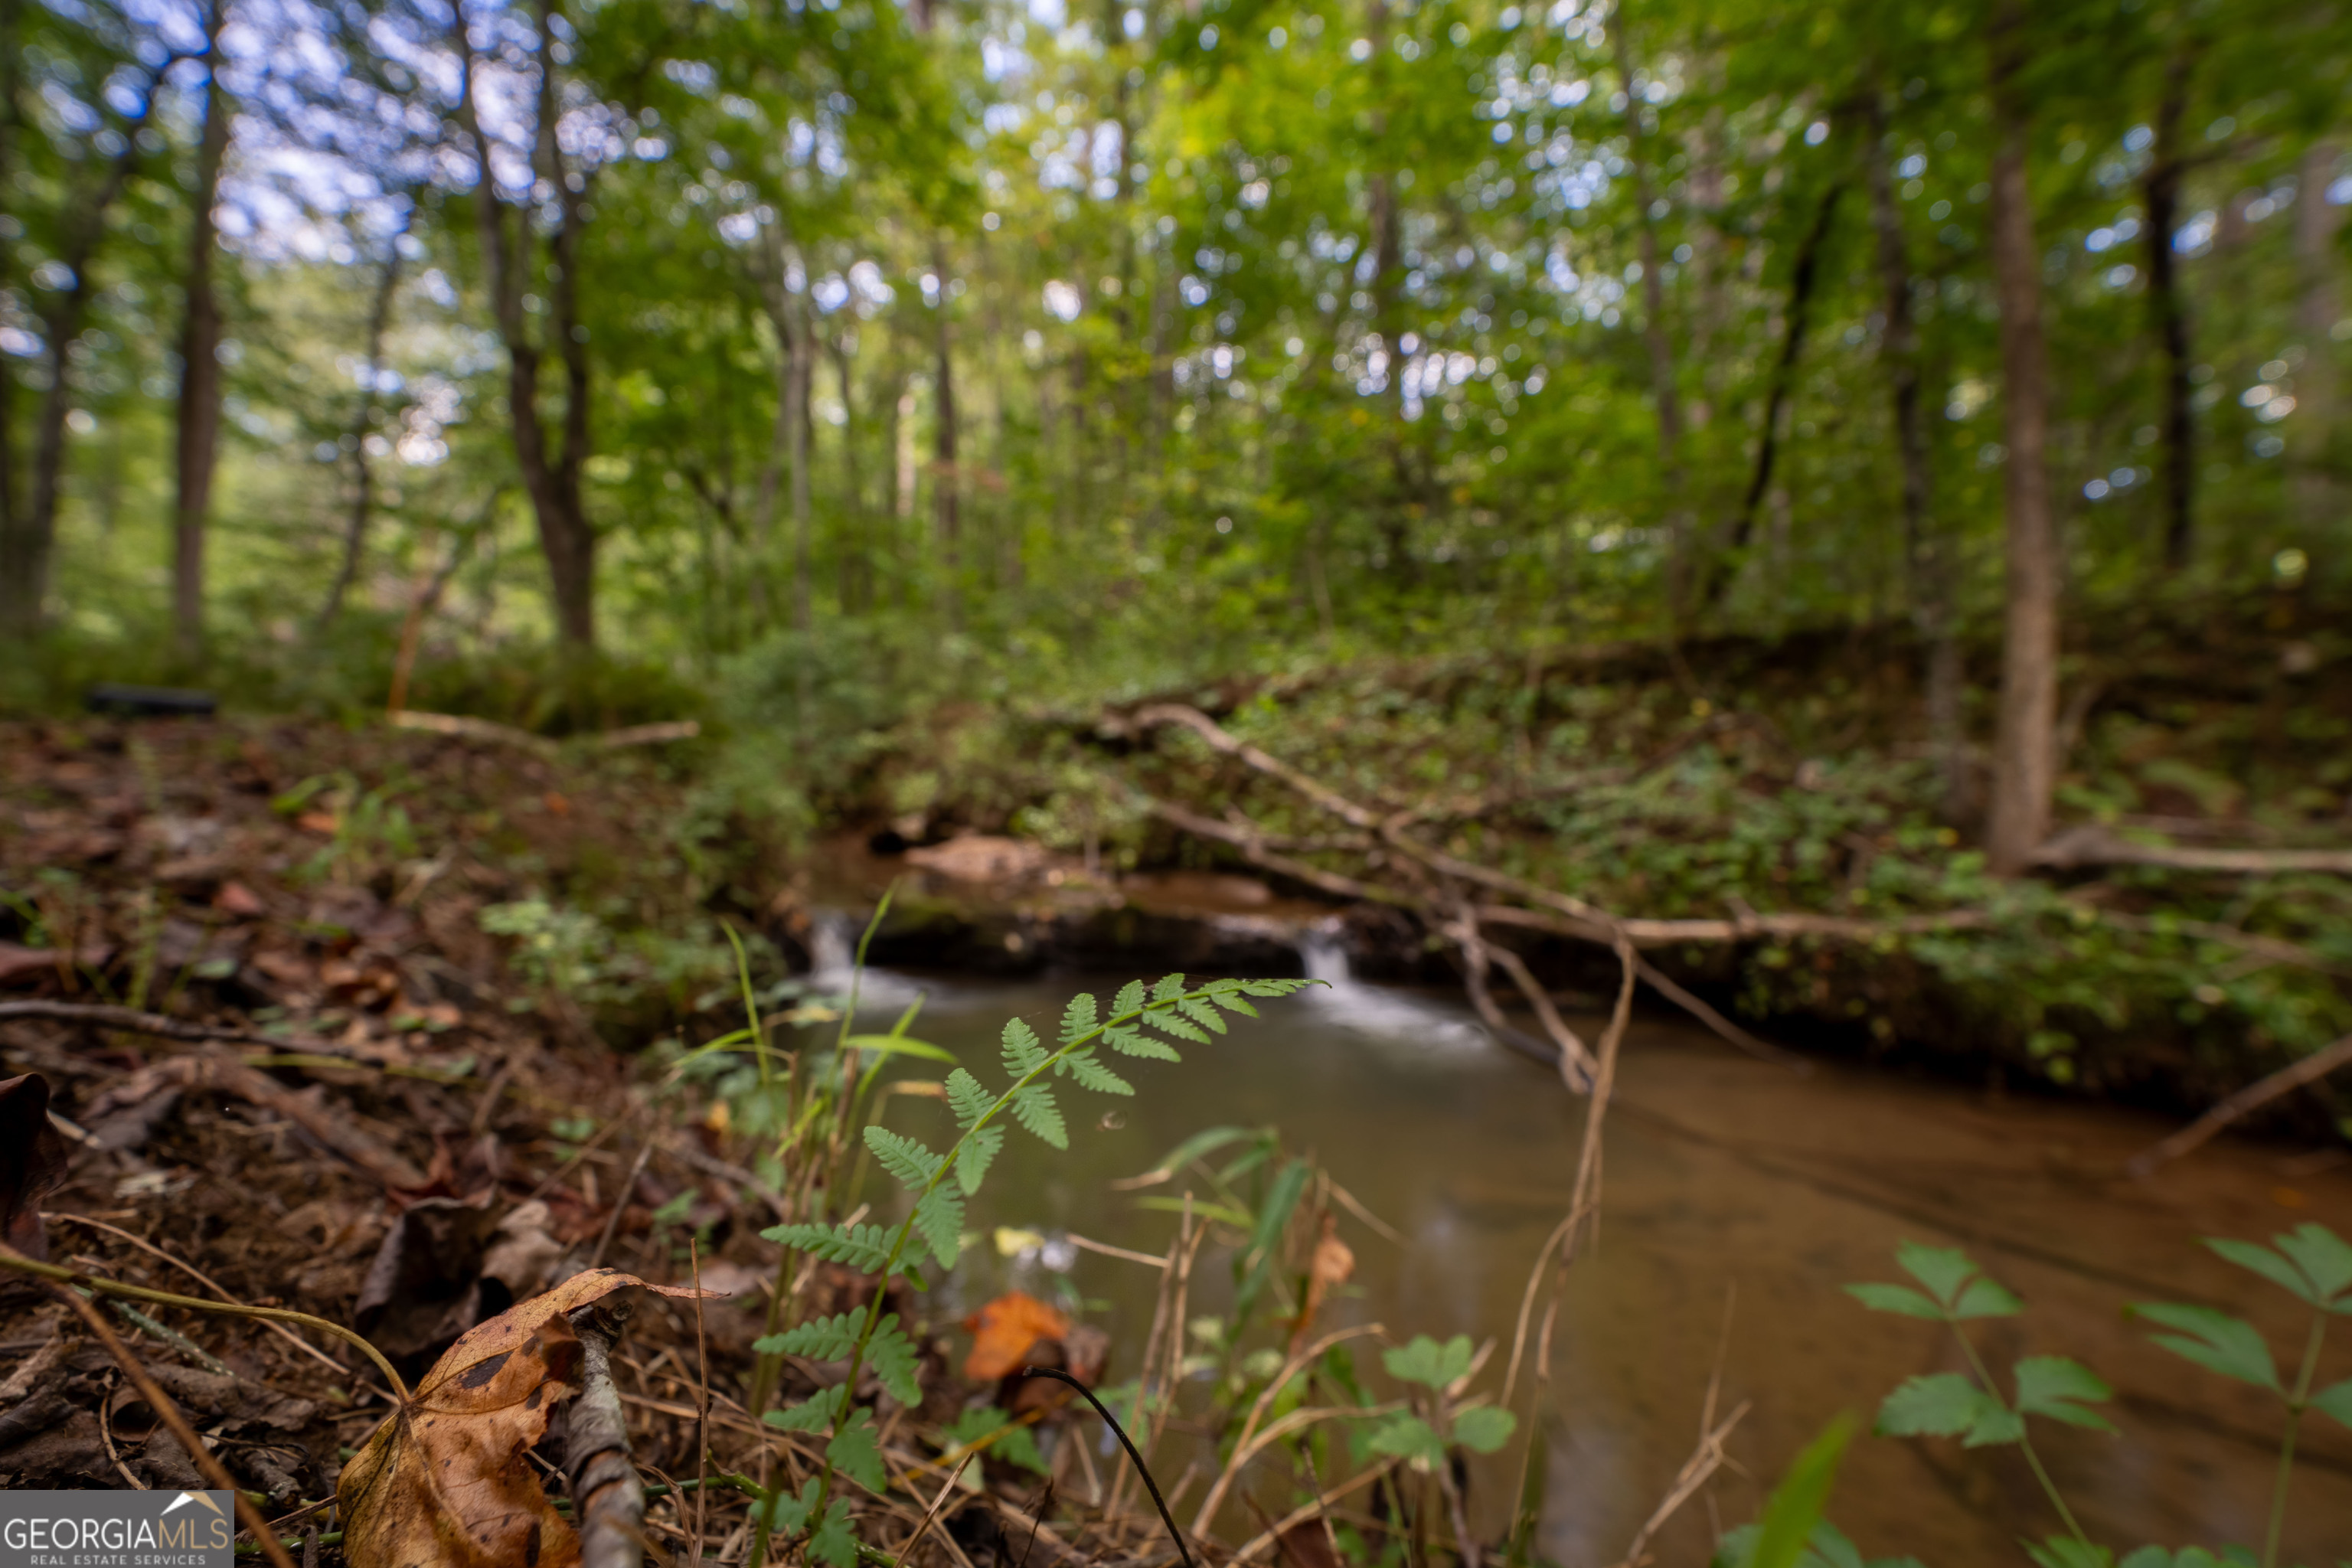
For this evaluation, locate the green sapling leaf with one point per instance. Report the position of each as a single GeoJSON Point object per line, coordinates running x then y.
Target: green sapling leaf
{"type": "Point", "coordinates": [1409, 1438]}
{"type": "Point", "coordinates": [1899, 1299]}
{"type": "Point", "coordinates": [2336, 1400]}
{"type": "Point", "coordinates": [1947, 1404]}
{"type": "Point", "coordinates": [833, 1542]}
{"type": "Point", "coordinates": [2056, 1387]}
{"type": "Point", "coordinates": [1484, 1428]}
{"type": "Point", "coordinates": [1942, 1269]}
{"type": "Point", "coordinates": [2213, 1339]}
{"type": "Point", "coordinates": [2323, 1258]}
{"type": "Point", "coordinates": [1425, 1361]}
{"type": "Point", "coordinates": [2279, 1270]}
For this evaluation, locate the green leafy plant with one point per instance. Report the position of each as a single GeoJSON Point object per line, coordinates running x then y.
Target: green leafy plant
{"type": "Point", "coordinates": [938, 1183]}
{"type": "Point", "coordinates": [2311, 1263]}
{"type": "Point", "coordinates": [1421, 1436]}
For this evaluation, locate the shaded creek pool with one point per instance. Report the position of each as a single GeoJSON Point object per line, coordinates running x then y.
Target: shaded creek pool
{"type": "Point", "coordinates": [1724, 1176]}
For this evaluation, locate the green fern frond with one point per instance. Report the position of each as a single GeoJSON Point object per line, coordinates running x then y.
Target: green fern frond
{"type": "Point", "coordinates": [940, 1217]}
{"type": "Point", "coordinates": [808, 1415]}
{"type": "Point", "coordinates": [1171, 986]}
{"type": "Point", "coordinates": [968, 1099]}
{"type": "Point", "coordinates": [1023, 1053]}
{"type": "Point", "coordinates": [1131, 999]}
{"type": "Point", "coordinates": [1201, 1012]}
{"type": "Point", "coordinates": [1033, 1108]}
{"type": "Point", "coordinates": [822, 1339]}
{"type": "Point", "coordinates": [1078, 1017]}
{"type": "Point", "coordinates": [866, 1247]}
{"type": "Point", "coordinates": [1082, 1066]}
{"type": "Point", "coordinates": [903, 1157]}
{"type": "Point", "coordinates": [895, 1360]}
{"type": "Point", "coordinates": [1129, 1041]}
{"type": "Point", "coordinates": [1182, 1029]}
{"type": "Point", "coordinates": [978, 1152]}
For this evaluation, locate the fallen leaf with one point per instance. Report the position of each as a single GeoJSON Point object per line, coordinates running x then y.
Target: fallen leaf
{"type": "Point", "coordinates": [32, 1162]}
{"type": "Point", "coordinates": [1003, 1332]}
{"type": "Point", "coordinates": [1333, 1263]}
{"type": "Point", "coordinates": [445, 1482]}
{"type": "Point", "coordinates": [236, 899]}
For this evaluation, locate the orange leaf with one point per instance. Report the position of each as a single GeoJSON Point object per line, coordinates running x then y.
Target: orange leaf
{"type": "Point", "coordinates": [445, 1483]}
{"type": "Point", "coordinates": [1003, 1332]}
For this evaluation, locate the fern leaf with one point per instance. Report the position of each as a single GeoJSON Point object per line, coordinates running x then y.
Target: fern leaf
{"type": "Point", "coordinates": [1169, 1024]}
{"type": "Point", "coordinates": [1169, 988]}
{"type": "Point", "coordinates": [892, 1356]}
{"type": "Point", "coordinates": [1078, 1017]}
{"type": "Point", "coordinates": [903, 1157]}
{"type": "Point", "coordinates": [1129, 1041]}
{"type": "Point", "coordinates": [865, 1248]}
{"type": "Point", "coordinates": [1274, 987]}
{"type": "Point", "coordinates": [1082, 1066]}
{"type": "Point", "coordinates": [979, 1152]}
{"type": "Point", "coordinates": [1023, 1053]}
{"type": "Point", "coordinates": [808, 1415]}
{"type": "Point", "coordinates": [967, 1097]}
{"type": "Point", "coordinates": [1201, 1012]}
{"type": "Point", "coordinates": [939, 1218]}
{"type": "Point", "coordinates": [856, 1451]}
{"type": "Point", "coordinates": [1233, 1002]}
{"type": "Point", "coordinates": [1131, 999]}
{"type": "Point", "coordinates": [822, 1339]}
{"type": "Point", "coordinates": [1033, 1108]}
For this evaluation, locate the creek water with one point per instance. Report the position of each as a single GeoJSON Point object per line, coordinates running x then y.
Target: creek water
{"type": "Point", "coordinates": [1731, 1184]}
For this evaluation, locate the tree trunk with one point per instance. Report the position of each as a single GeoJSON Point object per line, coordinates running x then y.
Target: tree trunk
{"type": "Point", "coordinates": [2024, 756]}
{"type": "Point", "coordinates": [355, 527]}
{"type": "Point", "coordinates": [2168, 315]}
{"type": "Point", "coordinates": [199, 415]}
{"type": "Point", "coordinates": [1715, 576]}
{"type": "Point", "coordinates": [857, 568]}
{"type": "Point", "coordinates": [28, 540]}
{"type": "Point", "coordinates": [1934, 592]}
{"type": "Point", "coordinates": [945, 484]}
{"type": "Point", "coordinates": [1655, 336]}
{"type": "Point", "coordinates": [2317, 306]}
{"type": "Point", "coordinates": [551, 478]}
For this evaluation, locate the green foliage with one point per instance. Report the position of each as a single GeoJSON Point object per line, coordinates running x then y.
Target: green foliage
{"type": "Point", "coordinates": [1014, 1444]}
{"type": "Point", "coordinates": [871, 1338]}
{"type": "Point", "coordinates": [1792, 1534]}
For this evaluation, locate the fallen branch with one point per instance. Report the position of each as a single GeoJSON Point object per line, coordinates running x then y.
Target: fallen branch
{"type": "Point", "coordinates": [2255, 1095]}
{"type": "Point", "coordinates": [608, 1494]}
{"type": "Point", "coordinates": [2093, 846]}
{"type": "Point", "coordinates": [133, 1021]}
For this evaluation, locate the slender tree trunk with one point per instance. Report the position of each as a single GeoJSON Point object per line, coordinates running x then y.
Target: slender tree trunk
{"type": "Point", "coordinates": [29, 539]}
{"type": "Point", "coordinates": [2167, 314]}
{"type": "Point", "coordinates": [946, 482]}
{"type": "Point", "coordinates": [1655, 335]}
{"type": "Point", "coordinates": [1933, 591]}
{"type": "Point", "coordinates": [12, 565]}
{"type": "Point", "coordinates": [2024, 756]}
{"type": "Point", "coordinates": [2317, 306]}
{"type": "Point", "coordinates": [199, 415]}
{"type": "Point", "coordinates": [355, 526]}
{"type": "Point", "coordinates": [856, 569]}
{"type": "Point", "coordinates": [549, 478]}
{"type": "Point", "coordinates": [1715, 576]}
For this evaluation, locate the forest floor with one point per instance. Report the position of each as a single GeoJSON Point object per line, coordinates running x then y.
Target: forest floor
{"type": "Point", "coordinates": [398, 964]}
{"type": "Point", "coordinates": [376, 1119]}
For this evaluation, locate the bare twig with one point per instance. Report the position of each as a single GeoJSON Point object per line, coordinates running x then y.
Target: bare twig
{"type": "Point", "coordinates": [169, 1414]}
{"type": "Point", "coordinates": [2255, 1095]}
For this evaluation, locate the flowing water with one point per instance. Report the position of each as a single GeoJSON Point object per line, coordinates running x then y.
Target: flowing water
{"type": "Point", "coordinates": [1731, 1184]}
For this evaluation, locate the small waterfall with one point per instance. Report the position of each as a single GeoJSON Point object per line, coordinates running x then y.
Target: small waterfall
{"type": "Point", "coordinates": [833, 966]}
{"type": "Point", "coordinates": [1325, 957]}
{"type": "Point", "coordinates": [832, 956]}
{"type": "Point", "coordinates": [1396, 1021]}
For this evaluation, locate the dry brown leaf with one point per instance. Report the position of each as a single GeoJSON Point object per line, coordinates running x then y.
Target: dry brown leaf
{"type": "Point", "coordinates": [32, 1162]}
{"type": "Point", "coordinates": [1333, 1263]}
{"type": "Point", "coordinates": [445, 1483]}
{"type": "Point", "coordinates": [1003, 1332]}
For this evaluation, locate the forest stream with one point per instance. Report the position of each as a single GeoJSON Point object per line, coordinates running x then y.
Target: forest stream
{"type": "Point", "coordinates": [1727, 1177]}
